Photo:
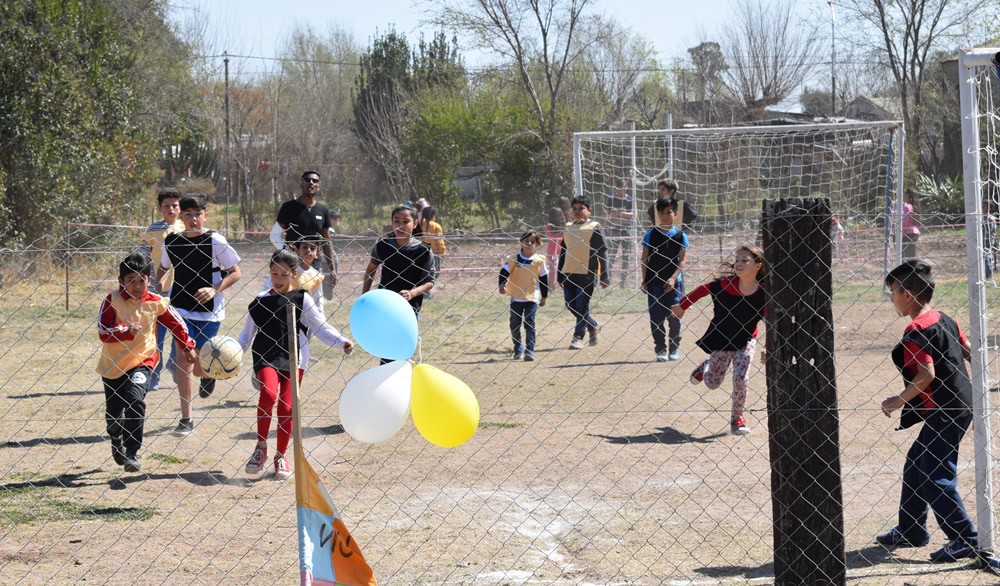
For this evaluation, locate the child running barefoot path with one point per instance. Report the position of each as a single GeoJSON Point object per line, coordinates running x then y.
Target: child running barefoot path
{"type": "Point", "coordinates": [265, 332]}
{"type": "Point", "coordinates": [524, 275]}
{"type": "Point", "coordinates": [938, 392]}
{"type": "Point", "coordinates": [127, 327]}
{"type": "Point", "coordinates": [738, 303]}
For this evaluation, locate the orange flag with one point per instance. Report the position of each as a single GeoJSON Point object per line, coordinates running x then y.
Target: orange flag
{"type": "Point", "coordinates": [328, 555]}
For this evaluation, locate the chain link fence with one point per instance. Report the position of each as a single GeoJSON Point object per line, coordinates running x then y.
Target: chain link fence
{"type": "Point", "coordinates": [590, 466]}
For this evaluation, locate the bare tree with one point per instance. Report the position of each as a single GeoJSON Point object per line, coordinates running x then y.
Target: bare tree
{"type": "Point", "coordinates": [769, 54]}
{"type": "Point", "coordinates": [542, 38]}
{"type": "Point", "coordinates": [616, 62]}
{"type": "Point", "coordinates": [905, 36]}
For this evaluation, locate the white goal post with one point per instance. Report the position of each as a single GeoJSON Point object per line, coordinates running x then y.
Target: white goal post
{"type": "Point", "coordinates": [979, 93]}
{"type": "Point", "coordinates": [725, 173]}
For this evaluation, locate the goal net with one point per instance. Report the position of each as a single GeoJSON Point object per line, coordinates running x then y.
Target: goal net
{"type": "Point", "coordinates": [979, 95]}
{"type": "Point", "coordinates": [723, 174]}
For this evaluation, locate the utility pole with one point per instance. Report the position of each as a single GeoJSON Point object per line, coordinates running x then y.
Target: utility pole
{"type": "Point", "coordinates": [229, 157]}
{"type": "Point", "coordinates": [833, 60]}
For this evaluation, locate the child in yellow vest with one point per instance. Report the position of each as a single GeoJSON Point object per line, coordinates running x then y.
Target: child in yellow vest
{"type": "Point", "coordinates": [168, 204]}
{"type": "Point", "coordinates": [127, 327]}
{"type": "Point", "coordinates": [583, 260]}
{"type": "Point", "coordinates": [524, 278]}
{"type": "Point", "coordinates": [432, 233]}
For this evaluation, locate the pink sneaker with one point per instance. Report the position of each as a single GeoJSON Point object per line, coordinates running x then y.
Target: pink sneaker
{"type": "Point", "coordinates": [256, 462]}
{"type": "Point", "coordinates": [282, 469]}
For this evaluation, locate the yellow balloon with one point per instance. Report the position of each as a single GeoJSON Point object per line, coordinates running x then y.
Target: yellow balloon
{"type": "Point", "coordinates": [444, 408]}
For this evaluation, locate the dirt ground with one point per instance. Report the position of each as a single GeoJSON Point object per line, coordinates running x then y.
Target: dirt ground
{"type": "Point", "coordinates": [594, 466]}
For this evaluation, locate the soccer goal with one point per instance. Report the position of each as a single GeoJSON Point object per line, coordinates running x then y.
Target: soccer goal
{"type": "Point", "coordinates": [725, 173]}
{"type": "Point", "coordinates": [979, 94]}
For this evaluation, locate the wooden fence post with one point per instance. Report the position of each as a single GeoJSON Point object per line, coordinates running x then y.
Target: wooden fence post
{"type": "Point", "coordinates": [804, 443]}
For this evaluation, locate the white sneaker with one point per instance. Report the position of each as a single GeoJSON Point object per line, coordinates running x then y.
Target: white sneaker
{"type": "Point", "coordinates": [576, 344]}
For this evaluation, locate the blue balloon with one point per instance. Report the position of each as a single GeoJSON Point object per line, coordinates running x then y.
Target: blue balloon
{"type": "Point", "coordinates": [384, 324]}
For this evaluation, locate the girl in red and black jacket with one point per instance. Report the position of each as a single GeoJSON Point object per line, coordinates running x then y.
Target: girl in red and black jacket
{"type": "Point", "coordinates": [738, 305]}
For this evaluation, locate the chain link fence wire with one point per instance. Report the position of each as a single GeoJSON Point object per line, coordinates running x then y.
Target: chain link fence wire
{"type": "Point", "coordinates": [597, 465]}
{"type": "Point", "coordinates": [590, 466]}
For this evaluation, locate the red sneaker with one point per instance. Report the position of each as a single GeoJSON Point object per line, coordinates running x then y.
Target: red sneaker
{"type": "Point", "coordinates": [256, 462]}
{"type": "Point", "coordinates": [739, 426]}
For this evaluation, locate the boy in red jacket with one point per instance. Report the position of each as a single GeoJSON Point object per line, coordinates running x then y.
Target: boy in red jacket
{"type": "Point", "coordinates": [127, 328]}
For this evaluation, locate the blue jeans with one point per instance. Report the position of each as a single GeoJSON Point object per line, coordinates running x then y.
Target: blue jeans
{"type": "Point", "coordinates": [523, 312]}
{"type": "Point", "coordinates": [660, 302]}
{"type": "Point", "coordinates": [162, 334]}
{"type": "Point", "coordinates": [930, 479]}
{"type": "Point", "coordinates": [578, 303]}
{"type": "Point", "coordinates": [201, 331]}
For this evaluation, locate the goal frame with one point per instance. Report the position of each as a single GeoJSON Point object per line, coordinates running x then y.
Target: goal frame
{"type": "Point", "coordinates": [970, 61]}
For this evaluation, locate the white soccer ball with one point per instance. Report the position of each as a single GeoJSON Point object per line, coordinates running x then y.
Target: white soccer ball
{"type": "Point", "coordinates": [220, 357]}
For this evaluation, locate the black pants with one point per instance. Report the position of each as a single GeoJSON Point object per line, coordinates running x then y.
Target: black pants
{"type": "Point", "coordinates": [125, 407]}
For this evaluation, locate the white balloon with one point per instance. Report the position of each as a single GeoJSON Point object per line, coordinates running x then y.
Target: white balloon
{"type": "Point", "coordinates": [375, 403]}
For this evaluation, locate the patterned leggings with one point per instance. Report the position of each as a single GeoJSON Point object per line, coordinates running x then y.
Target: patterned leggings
{"type": "Point", "coordinates": [714, 370]}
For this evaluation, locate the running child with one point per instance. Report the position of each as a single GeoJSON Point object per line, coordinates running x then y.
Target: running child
{"type": "Point", "coordinates": [664, 248]}
{"type": "Point", "coordinates": [738, 303]}
{"type": "Point", "coordinates": [583, 255]}
{"type": "Point", "coordinates": [168, 204]}
{"type": "Point", "coordinates": [433, 234]}
{"type": "Point", "coordinates": [127, 326]}
{"type": "Point", "coordinates": [407, 264]}
{"type": "Point", "coordinates": [523, 277]}
{"type": "Point", "coordinates": [265, 332]}
{"type": "Point", "coordinates": [205, 265]}
{"type": "Point", "coordinates": [938, 392]}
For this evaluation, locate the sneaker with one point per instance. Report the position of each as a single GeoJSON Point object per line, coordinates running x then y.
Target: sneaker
{"type": "Point", "coordinates": [593, 337]}
{"type": "Point", "coordinates": [529, 357]}
{"type": "Point", "coordinates": [698, 374]}
{"type": "Point", "coordinates": [282, 469]}
{"type": "Point", "coordinates": [518, 355]}
{"type": "Point", "coordinates": [131, 464]}
{"type": "Point", "coordinates": [739, 426]}
{"type": "Point", "coordinates": [185, 427]}
{"type": "Point", "coordinates": [895, 538]}
{"type": "Point", "coordinates": [674, 356]}
{"type": "Point", "coordinates": [117, 451]}
{"type": "Point", "coordinates": [576, 344]}
{"type": "Point", "coordinates": [206, 388]}
{"type": "Point", "coordinates": [954, 551]}
{"type": "Point", "coordinates": [256, 462]}
{"type": "Point", "coordinates": [661, 356]}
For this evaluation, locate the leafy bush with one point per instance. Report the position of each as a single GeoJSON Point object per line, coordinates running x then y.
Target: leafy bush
{"type": "Point", "coordinates": [944, 198]}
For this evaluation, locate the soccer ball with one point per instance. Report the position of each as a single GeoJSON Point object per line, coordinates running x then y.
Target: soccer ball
{"type": "Point", "coordinates": [220, 357]}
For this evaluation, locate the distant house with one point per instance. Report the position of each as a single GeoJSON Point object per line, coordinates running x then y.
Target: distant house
{"type": "Point", "coordinates": [871, 109]}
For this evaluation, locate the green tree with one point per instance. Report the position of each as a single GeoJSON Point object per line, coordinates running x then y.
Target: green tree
{"type": "Point", "coordinates": [71, 143]}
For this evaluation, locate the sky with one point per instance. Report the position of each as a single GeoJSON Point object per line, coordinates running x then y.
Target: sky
{"type": "Point", "coordinates": [256, 27]}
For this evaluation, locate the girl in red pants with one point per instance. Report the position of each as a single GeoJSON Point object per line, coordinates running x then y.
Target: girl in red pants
{"type": "Point", "coordinates": [266, 334]}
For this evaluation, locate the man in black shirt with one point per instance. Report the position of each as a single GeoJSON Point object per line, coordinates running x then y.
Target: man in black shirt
{"type": "Point", "coordinates": [304, 216]}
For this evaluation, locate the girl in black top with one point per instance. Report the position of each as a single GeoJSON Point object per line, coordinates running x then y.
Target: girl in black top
{"type": "Point", "coordinates": [407, 264]}
{"type": "Point", "coordinates": [265, 332]}
{"type": "Point", "coordinates": [738, 304]}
